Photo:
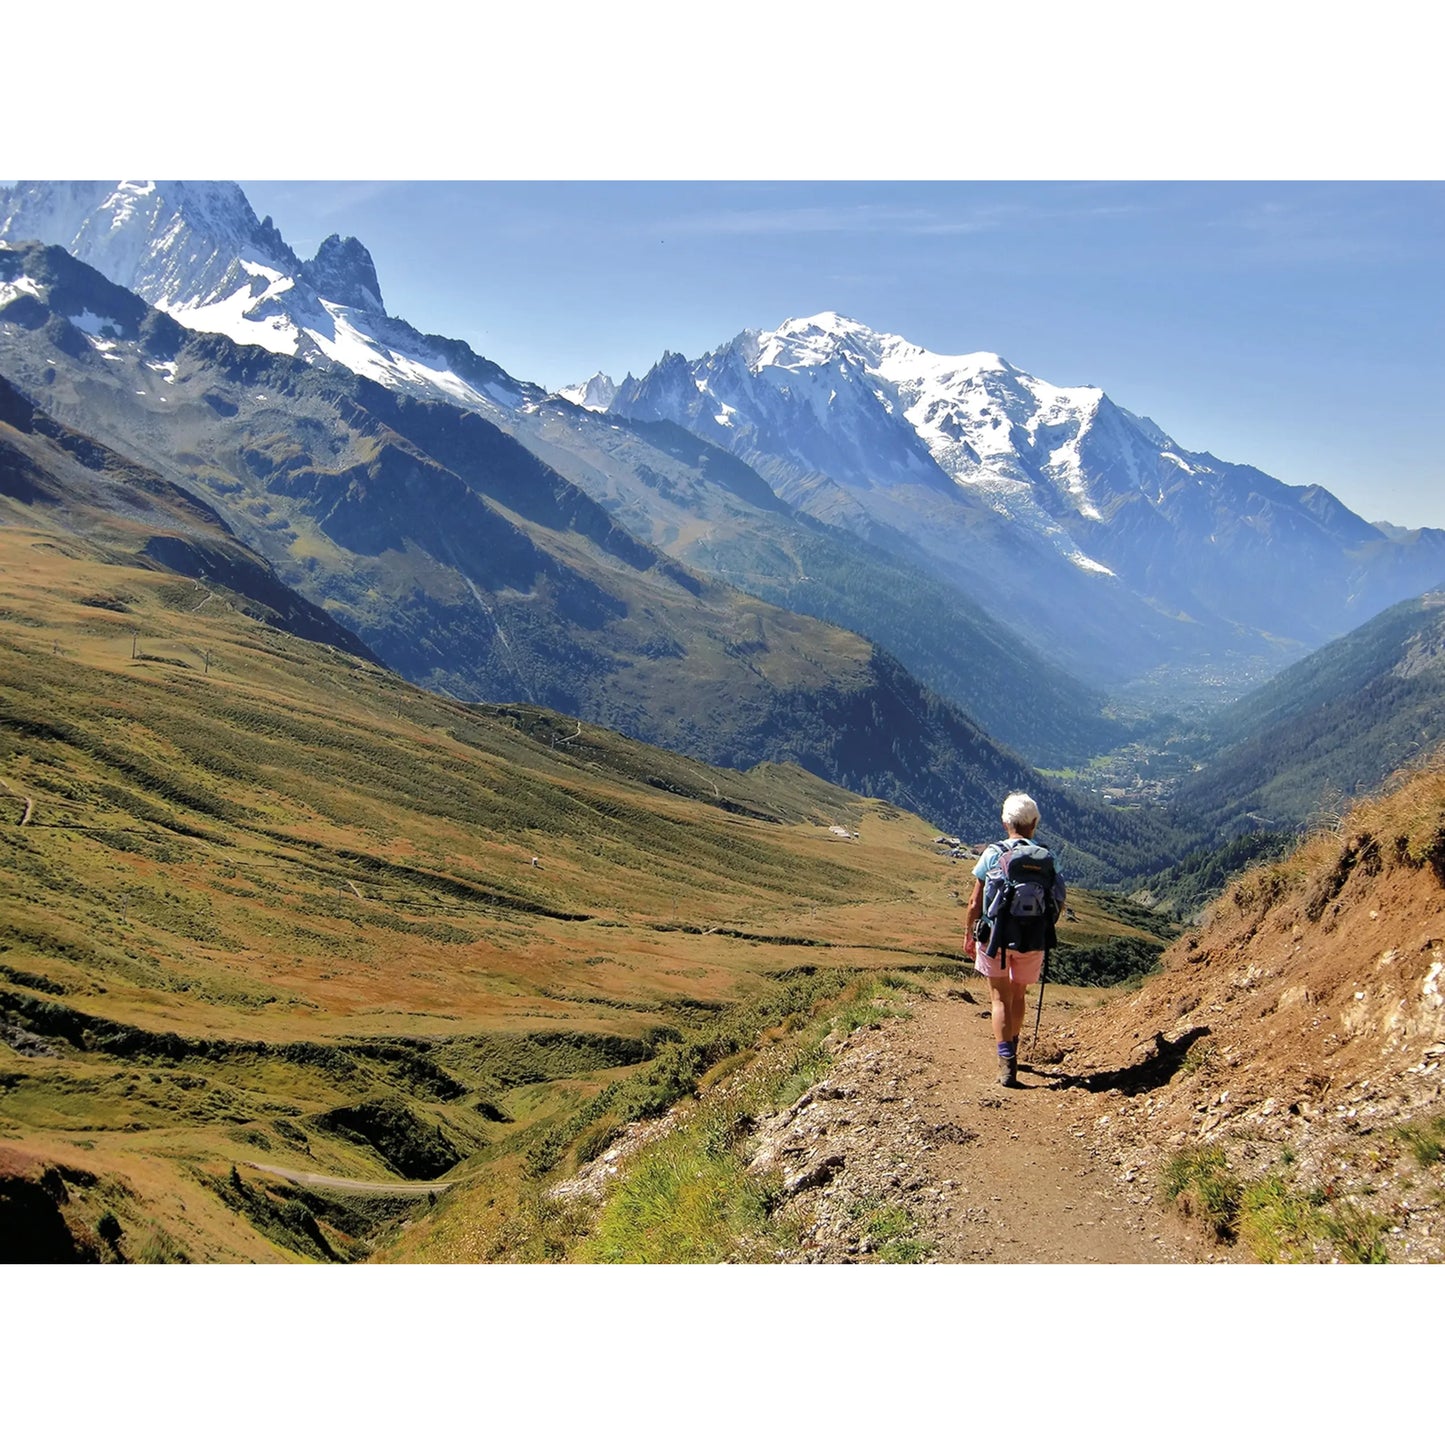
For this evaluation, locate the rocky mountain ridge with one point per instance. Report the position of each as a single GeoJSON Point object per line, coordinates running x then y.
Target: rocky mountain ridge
{"type": "Point", "coordinates": [195, 250]}
{"type": "Point", "coordinates": [991, 473]}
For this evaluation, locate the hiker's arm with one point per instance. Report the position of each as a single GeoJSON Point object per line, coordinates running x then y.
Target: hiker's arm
{"type": "Point", "coordinates": [974, 913]}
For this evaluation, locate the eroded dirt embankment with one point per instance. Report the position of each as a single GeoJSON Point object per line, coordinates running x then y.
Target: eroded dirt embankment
{"type": "Point", "coordinates": [1309, 1020]}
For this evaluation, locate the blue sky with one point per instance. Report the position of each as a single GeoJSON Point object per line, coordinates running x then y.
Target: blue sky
{"type": "Point", "coordinates": [1229, 216]}
{"type": "Point", "coordinates": [1296, 326]}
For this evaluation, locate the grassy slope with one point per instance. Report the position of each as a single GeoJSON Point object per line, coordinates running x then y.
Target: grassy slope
{"type": "Point", "coordinates": [248, 897]}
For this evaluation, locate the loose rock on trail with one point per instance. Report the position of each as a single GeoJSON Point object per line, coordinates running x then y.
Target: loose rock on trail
{"type": "Point", "coordinates": [911, 1118]}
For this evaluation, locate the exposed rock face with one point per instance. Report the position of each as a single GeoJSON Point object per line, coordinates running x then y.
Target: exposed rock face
{"type": "Point", "coordinates": [343, 271]}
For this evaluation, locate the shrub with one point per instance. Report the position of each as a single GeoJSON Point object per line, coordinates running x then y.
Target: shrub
{"type": "Point", "coordinates": [1198, 1182]}
{"type": "Point", "coordinates": [1358, 1235]}
{"type": "Point", "coordinates": [1277, 1225]}
{"type": "Point", "coordinates": [158, 1247]}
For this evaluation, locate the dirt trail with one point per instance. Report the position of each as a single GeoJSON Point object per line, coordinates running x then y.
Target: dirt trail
{"type": "Point", "coordinates": [912, 1116]}
{"type": "Point", "coordinates": [350, 1186]}
{"type": "Point", "coordinates": [29, 803]}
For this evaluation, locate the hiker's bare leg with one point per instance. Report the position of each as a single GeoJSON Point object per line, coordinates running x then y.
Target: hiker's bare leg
{"type": "Point", "coordinates": [1016, 1008]}
{"type": "Point", "coordinates": [1008, 1008]}
{"type": "Point", "coordinates": [1002, 991]}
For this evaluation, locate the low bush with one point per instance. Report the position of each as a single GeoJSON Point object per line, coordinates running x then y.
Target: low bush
{"type": "Point", "coordinates": [1198, 1182]}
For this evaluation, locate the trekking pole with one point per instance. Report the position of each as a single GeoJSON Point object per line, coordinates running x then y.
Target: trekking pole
{"type": "Point", "coordinates": [1043, 974]}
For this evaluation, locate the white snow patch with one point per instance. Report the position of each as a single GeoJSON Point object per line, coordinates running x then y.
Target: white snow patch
{"type": "Point", "coordinates": [1088, 564]}
{"type": "Point", "coordinates": [502, 395]}
{"type": "Point", "coordinates": [360, 353]}
{"type": "Point", "coordinates": [1178, 462]}
{"type": "Point", "coordinates": [228, 316]}
{"type": "Point", "coordinates": [278, 280]}
{"type": "Point", "coordinates": [92, 324]}
{"type": "Point", "coordinates": [21, 286]}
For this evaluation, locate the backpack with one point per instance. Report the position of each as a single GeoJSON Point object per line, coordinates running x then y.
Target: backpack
{"type": "Point", "coordinates": [1022, 898]}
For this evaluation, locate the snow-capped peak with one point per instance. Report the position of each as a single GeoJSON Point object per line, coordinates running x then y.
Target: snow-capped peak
{"type": "Point", "coordinates": [172, 242]}
{"type": "Point", "coordinates": [873, 410]}
{"type": "Point", "coordinates": [196, 250]}
{"type": "Point", "coordinates": [595, 394]}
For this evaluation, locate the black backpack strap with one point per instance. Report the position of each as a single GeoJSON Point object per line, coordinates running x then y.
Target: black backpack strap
{"type": "Point", "coordinates": [998, 941]}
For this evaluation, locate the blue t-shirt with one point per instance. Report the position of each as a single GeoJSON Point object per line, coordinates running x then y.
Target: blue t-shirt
{"type": "Point", "coordinates": [991, 855]}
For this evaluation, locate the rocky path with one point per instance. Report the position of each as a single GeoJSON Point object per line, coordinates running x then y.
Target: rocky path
{"type": "Point", "coordinates": [909, 1149]}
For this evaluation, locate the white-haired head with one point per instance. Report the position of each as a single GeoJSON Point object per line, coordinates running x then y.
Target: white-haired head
{"type": "Point", "coordinates": [1020, 813]}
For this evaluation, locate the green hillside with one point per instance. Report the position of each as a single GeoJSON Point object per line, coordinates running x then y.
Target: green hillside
{"type": "Point", "coordinates": [1329, 729]}
{"type": "Point", "coordinates": [269, 905]}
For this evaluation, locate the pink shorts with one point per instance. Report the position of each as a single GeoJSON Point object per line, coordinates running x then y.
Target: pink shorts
{"type": "Point", "coordinates": [1023, 968]}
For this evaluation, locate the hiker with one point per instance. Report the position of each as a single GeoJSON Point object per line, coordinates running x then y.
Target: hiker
{"type": "Point", "coordinates": [1018, 944]}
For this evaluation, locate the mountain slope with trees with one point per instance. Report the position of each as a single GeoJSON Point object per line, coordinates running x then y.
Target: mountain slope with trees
{"type": "Point", "coordinates": [1328, 729]}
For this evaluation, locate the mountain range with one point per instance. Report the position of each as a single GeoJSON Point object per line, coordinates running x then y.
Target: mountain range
{"type": "Point", "coordinates": [688, 498]}
{"type": "Point", "coordinates": [1159, 572]}
{"type": "Point", "coordinates": [760, 553]}
{"type": "Point", "coordinates": [464, 562]}
{"type": "Point", "coordinates": [1140, 553]}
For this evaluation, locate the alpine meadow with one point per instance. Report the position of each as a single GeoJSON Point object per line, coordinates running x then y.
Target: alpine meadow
{"type": "Point", "coordinates": [449, 818]}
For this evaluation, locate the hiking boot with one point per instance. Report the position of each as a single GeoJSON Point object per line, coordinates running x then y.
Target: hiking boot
{"type": "Point", "coordinates": [1008, 1073]}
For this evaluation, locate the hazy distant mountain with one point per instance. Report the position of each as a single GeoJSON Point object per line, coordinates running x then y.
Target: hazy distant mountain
{"type": "Point", "coordinates": [1137, 551]}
